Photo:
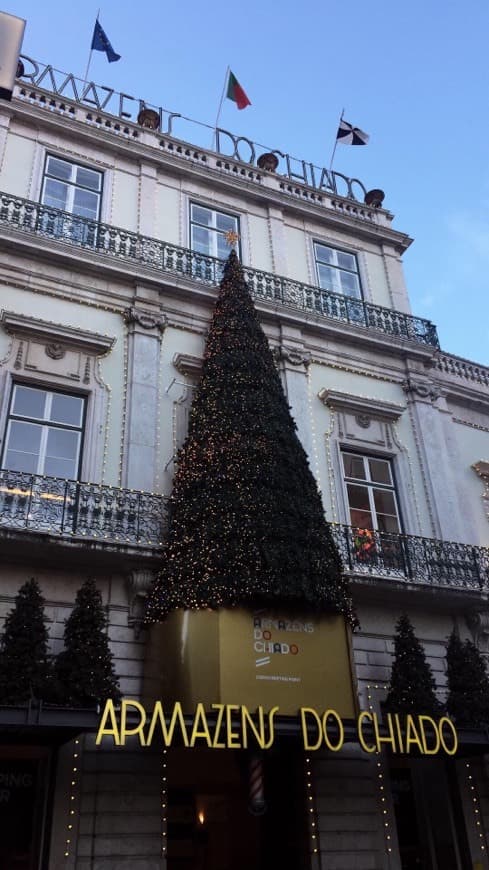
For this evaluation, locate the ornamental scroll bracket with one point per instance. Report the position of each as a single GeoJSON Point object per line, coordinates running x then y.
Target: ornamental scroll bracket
{"type": "Point", "coordinates": [145, 319]}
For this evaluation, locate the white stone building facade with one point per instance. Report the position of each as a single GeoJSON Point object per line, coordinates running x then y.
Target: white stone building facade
{"type": "Point", "coordinates": [108, 233]}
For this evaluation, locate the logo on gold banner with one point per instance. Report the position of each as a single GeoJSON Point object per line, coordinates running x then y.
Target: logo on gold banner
{"type": "Point", "coordinates": [233, 726]}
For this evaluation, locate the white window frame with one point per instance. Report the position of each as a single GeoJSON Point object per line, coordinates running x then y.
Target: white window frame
{"type": "Point", "coordinates": [213, 228]}
{"type": "Point", "coordinates": [45, 424]}
{"type": "Point", "coordinates": [71, 184]}
{"type": "Point", "coordinates": [338, 250]}
{"type": "Point", "coordinates": [370, 485]}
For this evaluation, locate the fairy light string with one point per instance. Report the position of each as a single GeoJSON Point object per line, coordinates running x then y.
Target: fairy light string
{"type": "Point", "coordinates": [72, 796]}
{"type": "Point", "coordinates": [381, 775]}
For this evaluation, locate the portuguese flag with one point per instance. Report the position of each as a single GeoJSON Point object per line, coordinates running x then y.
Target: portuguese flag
{"type": "Point", "coordinates": [236, 93]}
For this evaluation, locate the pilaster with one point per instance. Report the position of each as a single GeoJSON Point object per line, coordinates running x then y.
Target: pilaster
{"type": "Point", "coordinates": [144, 333]}
{"type": "Point", "coordinates": [427, 407]}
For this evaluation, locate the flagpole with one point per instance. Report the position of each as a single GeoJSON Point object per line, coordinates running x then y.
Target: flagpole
{"type": "Point", "coordinates": [214, 138]}
{"type": "Point", "coordinates": [336, 141]}
{"type": "Point", "coordinates": [91, 52]}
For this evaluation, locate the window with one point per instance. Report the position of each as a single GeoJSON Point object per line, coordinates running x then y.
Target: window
{"type": "Point", "coordinates": [371, 493]}
{"type": "Point", "coordinates": [44, 432]}
{"type": "Point", "coordinates": [74, 189]}
{"type": "Point", "coordinates": [337, 271]}
{"type": "Point", "coordinates": [208, 230]}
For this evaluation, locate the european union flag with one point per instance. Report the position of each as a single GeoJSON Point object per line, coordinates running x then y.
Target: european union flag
{"type": "Point", "coordinates": [100, 42]}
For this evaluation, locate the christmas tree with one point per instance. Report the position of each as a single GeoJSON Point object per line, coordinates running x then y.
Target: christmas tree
{"type": "Point", "coordinates": [25, 671]}
{"type": "Point", "coordinates": [85, 669]}
{"type": "Point", "coordinates": [246, 523]}
{"type": "Point", "coordinates": [412, 686]}
{"type": "Point", "coordinates": [468, 684]}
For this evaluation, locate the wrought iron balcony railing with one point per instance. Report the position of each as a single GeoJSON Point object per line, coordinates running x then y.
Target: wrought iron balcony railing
{"type": "Point", "coordinates": [426, 561]}
{"type": "Point", "coordinates": [66, 507]}
{"type": "Point", "coordinates": [32, 217]}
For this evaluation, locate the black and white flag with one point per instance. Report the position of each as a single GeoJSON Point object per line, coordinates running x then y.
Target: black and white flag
{"type": "Point", "coordinates": [349, 135]}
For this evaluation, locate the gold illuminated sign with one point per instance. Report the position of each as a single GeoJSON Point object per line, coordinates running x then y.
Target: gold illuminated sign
{"type": "Point", "coordinates": [233, 726]}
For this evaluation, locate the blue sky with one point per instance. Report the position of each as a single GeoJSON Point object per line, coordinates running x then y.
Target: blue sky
{"type": "Point", "coordinates": [416, 78]}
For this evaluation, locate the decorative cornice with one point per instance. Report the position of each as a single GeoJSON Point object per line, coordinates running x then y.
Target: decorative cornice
{"type": "Point", "coordinates": [145, 319]}
{"type": "Point", "coordinates": [55, 336]}
{"type": "Point", "coordinates": [187, 365]}
{"type": "Point", "coordinates": [361, 406]}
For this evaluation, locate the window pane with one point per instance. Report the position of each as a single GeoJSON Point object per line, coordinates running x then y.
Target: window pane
{"type": "Point", "coordinates": [223, 248]}
{"type": "Point", "coordinates": [62, 454]}
{"type": "Point", "coordinates": [66, 409]}
{"type": "Point", "coordinates": [324, 254]}
{"type": "Point", "coordinates": [358, 497]}
{"type": "Point", "coordinates": [384, 501]}
{"type": "Point", "coordinates": [361, 519]}
{"type": "Point", "coordinates": [85, 203]}
{"type": "Point", "coordinates": [67, 469]}
{"type": "Point", "coordinates": [24, 440]}
{"type": "Point", "coordinates": [55, 194]}
{"type": "Point", "coordinates": [62, 443]}
{"type": "Point", "coordinates": [88, 178]}
{"type": "Point", "coordinates": [16, 461]}
{"type": "Point", "coordinates": [201, 240]}
{"type": "Point", "coordinates": [225, 222]}
{"type": "Point", "coordinates": [387, 524]}
{"type": "Point", "coordinates": [354, 466]}
{"type": "Point", "coordinates": [380, 471]}
{"type": "Point", "coordinates": [29, 402]}
{"type": "Point", "coordinates": [202, 215]}
{"type": "Point", "coordinates": [328, 278]}
{"type": "Point", "coordinates": [349, 283]}
{"type": "Point", "coordinates": [346, 261]}
{"type": "Point", "coordinates": [59, 168]}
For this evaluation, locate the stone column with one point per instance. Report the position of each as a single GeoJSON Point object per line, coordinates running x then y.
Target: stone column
{"type": "Point", "coordinates": [145, 330]}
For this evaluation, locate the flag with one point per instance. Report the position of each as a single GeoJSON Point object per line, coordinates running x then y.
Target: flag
{"type": "Point", "coordinates": [100, 42]}
{"type": "Point", "coordinates": [349, 135]}
{"type": "Point", "coordinates": [236, 93]}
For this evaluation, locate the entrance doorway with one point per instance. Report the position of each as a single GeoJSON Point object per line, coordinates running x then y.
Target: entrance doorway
{"type": "Point", "coordinates": [23, 790]}
{"type": "Point", "coordinates": [429, 819]}
{"type": "Point", "coordinates": [210, 826]}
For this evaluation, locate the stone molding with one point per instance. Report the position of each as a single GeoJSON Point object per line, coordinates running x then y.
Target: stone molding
{"type": "Point", "coordinates": [362, 407]}
{"type": "Point", "coordinates": [188, 365]}
{"type": "Point", "coordinates": [56, 336]}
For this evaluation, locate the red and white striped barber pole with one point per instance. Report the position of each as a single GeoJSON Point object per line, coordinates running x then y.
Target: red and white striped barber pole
{"type": "Point", "coordinates": [257, 804]}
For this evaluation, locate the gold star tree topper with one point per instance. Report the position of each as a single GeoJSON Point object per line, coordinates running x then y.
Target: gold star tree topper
{"type": "Point", "coordinates": [232, 238]}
